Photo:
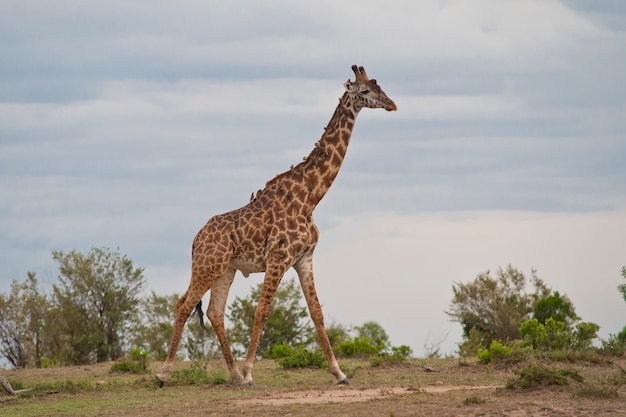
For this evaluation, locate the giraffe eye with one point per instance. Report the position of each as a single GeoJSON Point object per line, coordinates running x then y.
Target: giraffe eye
{"type": "Point", "coordinates": [365, 91]}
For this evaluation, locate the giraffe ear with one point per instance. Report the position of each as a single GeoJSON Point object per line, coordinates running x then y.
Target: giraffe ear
{"type": "Point", "coordinates": [349, 85]}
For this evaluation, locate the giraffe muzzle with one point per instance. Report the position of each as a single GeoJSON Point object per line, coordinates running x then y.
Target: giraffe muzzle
{"type": "Point", "coordinates": [391, 106]}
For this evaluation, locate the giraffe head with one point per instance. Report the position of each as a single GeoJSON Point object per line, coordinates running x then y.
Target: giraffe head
{"type": "Point", "coordinates": [367, 93]}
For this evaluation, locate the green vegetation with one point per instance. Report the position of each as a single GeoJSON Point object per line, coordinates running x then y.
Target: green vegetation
{"type": "Point", "coordinates": [136, 362]}
{"type": "Point", "coordinates": [85, 319]}
{"type": "Point", "coordinates": [197, 374]}
{"type": "Point", "coordinates": [287, 323]}
{"type": "Point", "coordinates": [503, 323]}
{"type": "Point", "coordinates": [534, 376]}
{"type": "Point", "coordinates": [473, 400]}
{"type": "Point", "coordinates": [622, 287]}
{"type": "Point", "coordinates": [397, 354]}
{"type": "Point", "coordinates": [493, 308]}
{"type": "Point", "coordinates": [94, 315]}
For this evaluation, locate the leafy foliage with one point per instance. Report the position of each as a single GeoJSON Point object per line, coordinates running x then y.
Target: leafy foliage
{"type": "Point", "coordinates": [94, 304]}
{"type": "Point", "coordinates": [492, 308]}
{"type": "Point", "coordinates": [533, 376]}
{"type": "Point", "coordinates": [622, 287]}
{"type": "Point", "coordinates": [371, 339]}
{"type": "Point", "coordinates": [358, 347]}
{"type": "Point", "coordinates": [558, 335]}
{"type": "Point", "coordinates": [301, 357]}
{"type": "Point", "coordinates": [287, 322]}
{"type": "Point", "coordinates": [496, 352]}
{"type": "Point", "coordinates": [23, 319]}
{"type": "Point", "coordinates": [397, 354]}
{"type": "Point", "coordinates": [612, 346]}
{"type": "Point", "coordinates": [555, 306]}
{"type": "Point", "coordinates": [136, 362]}
{"type": "Point", "coordinates": [154, 324]}
{"type": "Point", "coordinates": [337, 334]}
{"type": "Point", "coordinates": [197, 374]}
{"type": "Point", "coordinates": [621, 336]}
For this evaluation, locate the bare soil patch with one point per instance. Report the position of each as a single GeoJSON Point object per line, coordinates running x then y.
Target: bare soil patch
{"type": "Point", "coordinates": [346, 395]}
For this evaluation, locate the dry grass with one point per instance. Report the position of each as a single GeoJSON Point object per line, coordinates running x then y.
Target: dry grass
{"type": "Point", "coordinates": [380, 391]}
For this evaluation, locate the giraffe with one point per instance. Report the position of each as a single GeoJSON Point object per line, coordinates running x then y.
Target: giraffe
{"type": "Point", "coordinates": [272, 233]}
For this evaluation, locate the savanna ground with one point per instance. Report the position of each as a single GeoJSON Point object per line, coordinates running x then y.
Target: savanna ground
{"type": "Point", "coordinates": [406, 389]}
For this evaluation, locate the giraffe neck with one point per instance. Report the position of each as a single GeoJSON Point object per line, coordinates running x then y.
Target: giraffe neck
{"type": "Point", "coordinates": [303, 186]}
{"type": "Point", "coordinates": [322, 165]}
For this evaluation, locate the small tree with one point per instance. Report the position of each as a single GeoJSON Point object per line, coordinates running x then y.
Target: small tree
{"type": "Point", "coordinates": [491, 308]}
{"type": "Point", "coordinates": [557, 307]}
{"type": "Point", "coordinates": [287, 323]}
{"type": "Point", "coordinates": [154, 324]}
{"type": "Point", "coordinates": [337, 334]}
{"type": "Point", "coordinates": [200, 342]}
{"type": "Point", "coordinates": [375, 333]}
{"type": "Point", "coordinates": [95, 301]}
{"type": "Point", "coordinates": [22, 323]}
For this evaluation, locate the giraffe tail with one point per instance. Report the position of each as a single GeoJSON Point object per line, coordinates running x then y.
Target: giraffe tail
{"type": "Point", "coordinates": [198, 311]}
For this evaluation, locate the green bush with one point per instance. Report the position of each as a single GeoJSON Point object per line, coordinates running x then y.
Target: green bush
{"type": "Point", "coordinates": [474, 400]}
{"type": "Point", "coordinates": [358, 347]}
{"type": "Point", "coordinates": [497, 352]}
{"type": "Point", "coordinates": [302, 357]}
{"type": "Point", "coordinates": [533, 376]}
{"type": "Point", "coordinates": [136, 363]}
{"type": "Point", "coordinates": [558, 335]}
{"type": "Point", "coordinates": [584, 333]}
{"type": "Point", "coordinates": [279, 351]}
{"type": "Point", "coordinates": [197, 374]}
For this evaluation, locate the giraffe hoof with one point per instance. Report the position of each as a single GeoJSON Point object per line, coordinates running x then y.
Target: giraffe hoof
{"type": "Point", "coordinates": [344, 381]}
{"type": "Point", "coordinates": [161, 379]}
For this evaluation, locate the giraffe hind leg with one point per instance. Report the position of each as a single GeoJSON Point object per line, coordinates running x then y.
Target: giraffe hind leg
{"type": "Point", "coordinates": [215, 313]}
{"type": "Point", "coordinates": [201, 281]}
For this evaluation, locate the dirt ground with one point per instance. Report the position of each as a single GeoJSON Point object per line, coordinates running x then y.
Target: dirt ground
{"type": "Point", "coordinates": [406, 390]}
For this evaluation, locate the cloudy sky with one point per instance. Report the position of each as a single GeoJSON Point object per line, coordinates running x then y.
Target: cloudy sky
{"type": "Point", "coordinates": [129, 124]}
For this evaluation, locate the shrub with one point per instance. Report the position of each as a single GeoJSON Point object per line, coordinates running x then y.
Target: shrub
{"type": "Point", "coordinates": [473, 400]}
{"type": "Point", "coordinates": [279, 351]}
{"type": "Point", "coordinates": [584, 333]}
{"type": "Point", "coordinates": [358, 347]}
{"type": "Point", "coordinates": [497, 352]}
{"type": "Point", "coordinates": [533, 376]}
{"type": "Point", "coordinates": [612, 346]}
{"type": "Point", "coordinates": [302, 357]}
{"type": "Point", "coordinates": [136, 362]}
{"type": "Point", "coordinates": [197, 374]}
{"type": "Point", "coordinates": [621, 336]}
{"type": "Point", "coordinates": [558, 335]}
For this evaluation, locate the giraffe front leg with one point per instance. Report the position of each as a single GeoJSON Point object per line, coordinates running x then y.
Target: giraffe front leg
{"type": "Point", "coordinates": [305, 273]}
{"type": "Point", "coordinates": [273, 275]}
{"type": "Point", "coordinates": [215, 313]}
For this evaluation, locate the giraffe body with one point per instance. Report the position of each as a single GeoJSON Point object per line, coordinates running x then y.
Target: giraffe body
{"type": "Point", "coordinates": [272, 233]}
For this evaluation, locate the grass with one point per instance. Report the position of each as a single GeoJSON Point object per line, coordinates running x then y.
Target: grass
{"type": "Point", "coordinates": [204, 388]}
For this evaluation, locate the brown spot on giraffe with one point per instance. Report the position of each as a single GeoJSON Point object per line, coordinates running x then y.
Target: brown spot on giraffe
{"type": "Point", "coordinates": [272, 233]}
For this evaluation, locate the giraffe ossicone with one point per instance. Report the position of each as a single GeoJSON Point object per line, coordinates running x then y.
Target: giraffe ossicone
{"type": "Point", "coordinates": [272, 233]}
